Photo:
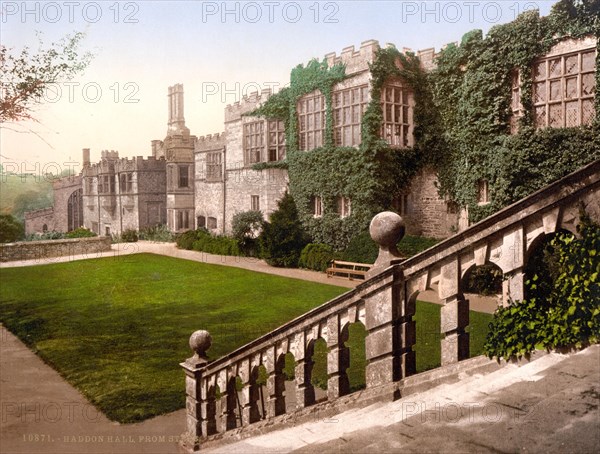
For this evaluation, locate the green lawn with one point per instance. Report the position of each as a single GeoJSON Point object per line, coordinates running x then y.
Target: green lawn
{"type": "Point", "coordinates": [117, 328]}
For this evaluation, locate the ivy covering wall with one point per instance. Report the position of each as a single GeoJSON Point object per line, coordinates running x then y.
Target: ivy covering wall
{"type": "Point", "coordinates": [369, 175]}
{"type": "Point", "coordinates": [472, 91]}
{"type": "Point", "coordinates": [462, 126]}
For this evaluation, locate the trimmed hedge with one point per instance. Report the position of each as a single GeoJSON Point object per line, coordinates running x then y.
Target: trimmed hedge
{"type": "Point", "coordinates": [317, 256]}
{"type": "Point", "coordinates": [219, 245]}
{"type": "Point", "coordinates": [363, 249]}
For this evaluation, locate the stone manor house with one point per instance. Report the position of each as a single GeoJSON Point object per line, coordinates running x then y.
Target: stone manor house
{"type": "Point", "coordinates": [189, 182]}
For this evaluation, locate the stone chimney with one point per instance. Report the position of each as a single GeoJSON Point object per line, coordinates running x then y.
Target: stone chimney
{"type": "Point", "coordinates": [176, 125]}
{"type": "Point", "coordinates": [86, 157]}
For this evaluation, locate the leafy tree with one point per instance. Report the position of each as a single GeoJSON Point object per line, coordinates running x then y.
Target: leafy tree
{"type": "Point", "coordinates": [29, 201]}
{"type": "Point", "coordinates": [10, 229]}
{"type": "Point", "coordinates": [246, 226]}
{"type": "Point", "coordinates": [283, 239]}
{"type": "Point", "coordinates": [26, 74]}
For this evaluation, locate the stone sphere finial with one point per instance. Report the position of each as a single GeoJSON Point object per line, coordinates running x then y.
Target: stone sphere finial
{"type": "Point", "coordinates": [200, 341]}
{"type": "Point", "coordinates": [386, 229]}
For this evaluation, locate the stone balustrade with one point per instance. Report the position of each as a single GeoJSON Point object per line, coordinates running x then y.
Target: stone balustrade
{"type": "Point", "coordinates": [385, 303]}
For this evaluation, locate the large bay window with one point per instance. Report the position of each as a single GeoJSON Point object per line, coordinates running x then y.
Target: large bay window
{"type": "Point", "coordinates": [396, 103]}
{"type": "Point", "coordinates": [311, 121]}
{"type": "Point", "coordinates": [349, 107]}
{"type": "Point", "coordinates": [257, 147]}
{"type": "Point", "coordinates": [563, 90]}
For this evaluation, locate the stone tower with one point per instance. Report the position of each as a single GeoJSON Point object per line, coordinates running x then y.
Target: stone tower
{"type": "Point", "coordinates": [178, 150]}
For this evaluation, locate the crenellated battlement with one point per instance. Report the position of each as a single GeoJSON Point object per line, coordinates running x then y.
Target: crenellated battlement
{"type": "Point", "coordinates": [210, 142]}
{"type": "Point", "coordinates": [358, 60]}
{"type": "Point", "coordinates": [355, 60]}
{"type": "Point", "coordinates": [140, 164]}
{"type": "Point", "coordinates": [111, 155]}
{"type": "Point", "coordinates": [247, 104]}
{"type": "Point", "coordinates": [111, 165]}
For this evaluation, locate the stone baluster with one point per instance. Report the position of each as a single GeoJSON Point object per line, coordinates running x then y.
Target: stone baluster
{"type": "Point", "coordinates": [228, 402]}
{"type": "Point", "coordinates": [208, 407]}
{"type": "Point", "coordinates": [454, 315]}
{"type": "Point", "coordinates": [196, 399]}
{"type": "Point", "coordinates": [305, 391]}
{"type": "Point", "coordinates": [338, 359]}
{"type": "Point", "coordinates": [513, 286]}
{"type": "Point", "coordinates": [275, 382]}
{"type": "Point", "coordinates": [249, 393]}
{"type": "Point", "coordinates": [454, 318]}
{"type": "Point", "coordinates": [384, 299]}
{"type": "Point", "coordinates": [408, 337]}
{"type": "Point", "coordinates": [512, 261]}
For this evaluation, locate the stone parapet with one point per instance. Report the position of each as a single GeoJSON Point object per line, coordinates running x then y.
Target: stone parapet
{"type": "Point", "coordinates": [247, 104]}
{"type": "Point", "coordinates": [210, 142]}
{"type": "Point", "coordinates": [139, 163]}
{"type": "Point", "coordinates": [40, 212]}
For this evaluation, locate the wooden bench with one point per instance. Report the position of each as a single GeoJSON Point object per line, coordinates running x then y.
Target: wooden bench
{"type": "Point", "coordinates": [350, 269]}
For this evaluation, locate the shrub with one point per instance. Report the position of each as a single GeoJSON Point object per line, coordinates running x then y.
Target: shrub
{"type": "Point", "coordinates": [53, 235]}
{"type": "Point", "coordinates": [219, 245]}
{"type": "Point", "coordinates": [10, 229]}
{"type": "Point", "coordinates": [413, 245]}
{"type": "Point", "coordinates": [129, 236]}
{"type": "Point", "coordinates": [283, 238]}
{"type": "Point", "coordinates": [80, 232]}
{"type": "Point", "coordinates": [160, 233]}
{"type": "Point", "coordinates": [361, 249]}
{"type": "Point", "coordinates": [566, 316]}
{"type": "Point", "coordinates": [316, 257]}
{"type": "Point", "coordinates": [485, 280]}
{"type": "Point", "coordinates": [246, 226]}
{"type": "Point", "coordinates": [186, 240]}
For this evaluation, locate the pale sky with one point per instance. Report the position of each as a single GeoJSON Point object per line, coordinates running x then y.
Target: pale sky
{"type": "Point", "coordinates": [219, 51]}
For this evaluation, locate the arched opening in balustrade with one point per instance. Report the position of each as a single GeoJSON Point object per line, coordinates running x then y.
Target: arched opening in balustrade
{"type": "Point", "coordinates": [354, 335]}
{"type": "Point", "coordinates": [541, 266]}
{"type": "Point", "coordinates": [318, 353]}
{"type": "Point", "coordinates": [426, 306]}
{"type": "Point", "coordinates": [289, 374]}
{"type": "Point", "coordinates": [262, 377]}
{"type": "Point", "coordinates": [481, 285]}
{"type": "Point", "coordinates": [485, 281]}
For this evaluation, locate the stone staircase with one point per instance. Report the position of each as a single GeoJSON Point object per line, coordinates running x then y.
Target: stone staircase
{"type": "Point", "coordinates": [219, 409]}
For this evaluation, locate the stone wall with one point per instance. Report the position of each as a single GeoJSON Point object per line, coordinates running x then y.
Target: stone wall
{"type": "Point", "coordinates": [144, 205]}
{"type": "Point", "coordinates": [427, 214]}
{"type": "Point", "coordinates": [44, 250]}
{"type": "Point", "coordinates": [36, 220]}
{"type": "Point", "coordinates": [63, 189]}
{"type": "Point", "coordinates": [268, 184]}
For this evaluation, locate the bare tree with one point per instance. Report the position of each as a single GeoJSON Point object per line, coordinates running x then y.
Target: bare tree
{"type": "Point", "coordinates": [25, 75]}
